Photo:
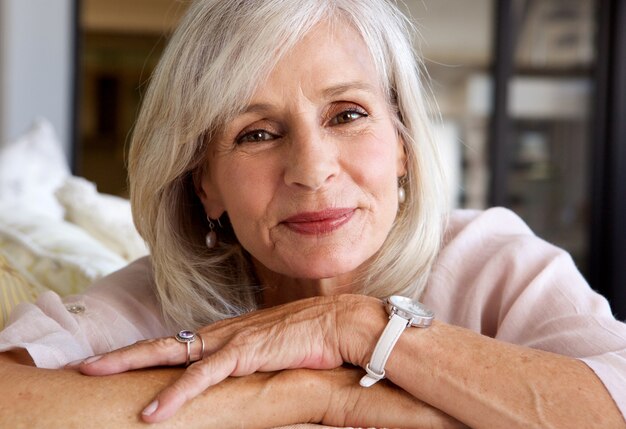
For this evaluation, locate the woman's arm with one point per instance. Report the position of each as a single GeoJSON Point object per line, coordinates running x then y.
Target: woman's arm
{"type": "Point", "coordinates": [475, 379]}
{"type": "Point", "coordinates": [483, 382]}
{"type": "Point", "coordinates": [384, 405]}
{"type": "Point", "coordinates": [487, 383]}
{"type": "Point", "coordinates": [65, 398]}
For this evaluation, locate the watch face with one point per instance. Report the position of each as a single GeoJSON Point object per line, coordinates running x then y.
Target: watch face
{"type": "Point", "coordinates": [412, 309]}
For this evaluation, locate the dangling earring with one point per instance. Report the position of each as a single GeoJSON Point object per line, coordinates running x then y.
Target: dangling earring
{"type": "Point", "coordinates": [211, 237]}
{"type": "Point", "coordinates": [401, 191]}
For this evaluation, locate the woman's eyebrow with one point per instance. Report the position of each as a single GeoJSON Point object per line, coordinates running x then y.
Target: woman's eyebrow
{"type": "Point", "coordinates": [341, 88]}
{"type": "Point", "coordinates": [256, 108]}
{"type": "Point", "coordinates": [330, 92]}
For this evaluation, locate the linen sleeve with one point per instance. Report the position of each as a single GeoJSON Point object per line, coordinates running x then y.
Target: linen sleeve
{"type": "Point", "coordinates": [496, 277]}
{"type": "Point", "coordinates": [115, 311]}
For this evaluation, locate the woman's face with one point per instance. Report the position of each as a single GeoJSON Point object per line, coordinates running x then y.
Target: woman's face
{"type": "Point", "coordinates": [308, 172]}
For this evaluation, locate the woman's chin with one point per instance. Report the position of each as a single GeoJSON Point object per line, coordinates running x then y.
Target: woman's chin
{"type": "Point", "coordinates": [326, 260]}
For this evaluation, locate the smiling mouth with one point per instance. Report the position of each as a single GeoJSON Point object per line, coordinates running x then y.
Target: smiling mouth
{"type": "Point", "coordinates": [319, 223]}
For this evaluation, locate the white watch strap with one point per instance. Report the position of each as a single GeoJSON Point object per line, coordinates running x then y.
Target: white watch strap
{"type": "Point", "coordinates": [376, 367]}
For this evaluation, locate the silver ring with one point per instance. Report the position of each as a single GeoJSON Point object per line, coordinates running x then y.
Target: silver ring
{"type": "Point", "coordinates": [187, 337]}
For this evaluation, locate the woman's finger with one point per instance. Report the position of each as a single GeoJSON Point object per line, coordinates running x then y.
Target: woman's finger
{"type": "Point", "coordinates": [143, 354]}
{"type": "Point", "coordinates": [195, 380]}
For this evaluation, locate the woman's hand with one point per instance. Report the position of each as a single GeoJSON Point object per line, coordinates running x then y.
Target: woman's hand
{"type": "Point", "coordinates": [311, 333]}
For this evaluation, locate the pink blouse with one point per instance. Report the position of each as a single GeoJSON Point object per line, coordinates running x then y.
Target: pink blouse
{"type": "Point", "coordinates": [493, 276]}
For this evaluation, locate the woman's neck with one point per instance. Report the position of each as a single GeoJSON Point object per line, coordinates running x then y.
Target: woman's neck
{"type": "Point", "coordinates": [279, 289]}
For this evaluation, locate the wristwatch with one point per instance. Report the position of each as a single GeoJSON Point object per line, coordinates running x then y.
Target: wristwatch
{"type": "Point", "coordinates": [403, 312]}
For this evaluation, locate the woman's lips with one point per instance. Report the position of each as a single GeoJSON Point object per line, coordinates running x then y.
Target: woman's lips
{"type": "Point", "coordinates": [320, 222]}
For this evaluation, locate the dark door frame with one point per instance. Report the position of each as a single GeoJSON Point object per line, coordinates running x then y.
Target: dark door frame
{"type": "Point", "coordinates": [608, 186]}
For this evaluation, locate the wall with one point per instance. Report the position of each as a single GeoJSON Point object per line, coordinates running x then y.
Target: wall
{"type": "Point", "coordinates": [36, 60]}
{"type": "Point", "coordinates": [453, 32]}
{"type": "Point", "coordinates": [131, 17]}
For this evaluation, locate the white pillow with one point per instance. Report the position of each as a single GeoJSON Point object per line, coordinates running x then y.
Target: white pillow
{"type": "Point", "coordinates": [59, 255]}
{"type": "Point", "coordinates": [31, 168]}
{"type": "Point", "coordinates": [105, 217]}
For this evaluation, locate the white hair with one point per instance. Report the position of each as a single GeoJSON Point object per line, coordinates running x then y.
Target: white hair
{"type": "Point", "coordinates": [211, 67]}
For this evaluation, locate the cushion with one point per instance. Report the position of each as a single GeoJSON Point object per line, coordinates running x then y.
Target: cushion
{"type": "Point", "coordinates": [59, 255]}
{"type": "Point", "coordinates": [31, 168]}
{"type": "Point", "coordinates": [16, 286]}
{"type": "Point", "coordinates": [105, 217]}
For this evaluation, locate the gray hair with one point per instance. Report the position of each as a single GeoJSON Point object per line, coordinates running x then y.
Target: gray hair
{"type": "Point", "coordinates": [208, 73]}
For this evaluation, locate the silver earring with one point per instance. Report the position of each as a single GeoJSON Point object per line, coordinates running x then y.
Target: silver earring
{"type": "Point", "coordinates": [401, 194]}
{"type": "Point", "coordinates": [211, 237]}
{"type": "Point", "coordinates": [401, 190]}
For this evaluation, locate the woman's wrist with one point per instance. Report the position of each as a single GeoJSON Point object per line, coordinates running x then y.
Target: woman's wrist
{"type": "Point", "coordinates": [360, 321]}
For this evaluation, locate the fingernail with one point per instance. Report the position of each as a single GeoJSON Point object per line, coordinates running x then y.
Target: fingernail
{"type": "Point", "coordinates": [74, 364]}
{"type": "Point", "coordinates": [92, 359]}
{"type": "Point", "coordinates": [151, 408]}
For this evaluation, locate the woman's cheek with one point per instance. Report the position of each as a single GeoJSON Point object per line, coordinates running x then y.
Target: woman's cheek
{"type": "Point", "coordinates": [374, 163]}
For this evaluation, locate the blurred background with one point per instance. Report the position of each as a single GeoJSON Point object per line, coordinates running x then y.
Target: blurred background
{"type": "Point", "coordinates": [532, 95]}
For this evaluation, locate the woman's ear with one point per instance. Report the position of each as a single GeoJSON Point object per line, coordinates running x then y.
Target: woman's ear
{"type": "Point", "coordinates": [207, 193]}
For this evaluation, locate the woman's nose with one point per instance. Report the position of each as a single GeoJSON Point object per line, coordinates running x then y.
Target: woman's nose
{"type": "Point", "coordinates": [312, 160]}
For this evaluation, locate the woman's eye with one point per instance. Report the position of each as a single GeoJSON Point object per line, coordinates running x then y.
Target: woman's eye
{"type": "Point", "coordinates": [255, 136]}
{"type": "Point", "coordinates": [347, 117]}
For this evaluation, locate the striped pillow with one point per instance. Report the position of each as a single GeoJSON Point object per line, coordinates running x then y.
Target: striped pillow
{"type": "Point", "coordinates": [15, 287]}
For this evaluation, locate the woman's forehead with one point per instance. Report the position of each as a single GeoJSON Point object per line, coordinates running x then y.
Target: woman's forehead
{"type": "Point", "coordinates": [329, 60]}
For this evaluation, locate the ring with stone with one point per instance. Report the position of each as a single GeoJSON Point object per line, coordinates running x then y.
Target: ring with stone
{"type": "Point", "coordinates": [187, 337]}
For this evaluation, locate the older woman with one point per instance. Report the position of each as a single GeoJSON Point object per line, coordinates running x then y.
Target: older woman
{"type": "Point", "coordinates": [284, 177]}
